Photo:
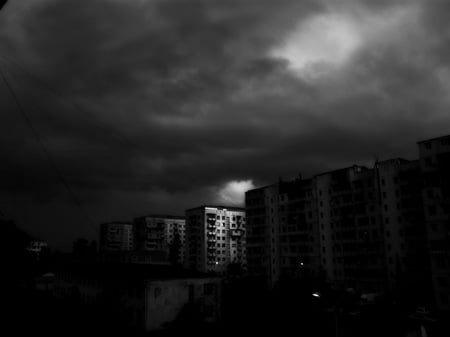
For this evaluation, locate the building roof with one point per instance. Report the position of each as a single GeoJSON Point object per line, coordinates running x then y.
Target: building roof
{"type": "Point", "coordinates": [434, 139]}
{"type": "Point", "coordinates": [126, 271]}
{"type": "Point", "coordinates": [162, 216]}
{"type": "Point", "coordinates": [116, 223]}
{"type": "Point", "coordinates": [342, 170]}
{"type": "Point", "coordinates": [230, 208]}
{"type": "Point", "coordinates": [393, 161]}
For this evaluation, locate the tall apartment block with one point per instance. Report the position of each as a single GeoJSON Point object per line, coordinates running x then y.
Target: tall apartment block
{"type": "Point", "coordinates": [215, 238]}
{"type": "Point", "coordinates": [351, 236]}
{"type": "Point", "coordinates": [116, 236]}
{"type": "Point", "coordinates": [435, 165]}
{"type": "Point", "coordinates": [159, 235]}
{"type": "Point", "coordinates": [355, 227]}
{"type": "Point", "coordinates": [400, 192]}
{"type": "Point", "coordinates": [282, 231]}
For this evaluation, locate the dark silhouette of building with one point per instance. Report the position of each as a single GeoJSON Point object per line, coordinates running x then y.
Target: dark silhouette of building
{"type": "Point", "coordinates": [435, 165]}
{"type": "Point", "coordinates": [283, 234]}
{"type": "Point", "coordinates": [356, 227]}
{"type": "Point", "coordinates": [146, 297]}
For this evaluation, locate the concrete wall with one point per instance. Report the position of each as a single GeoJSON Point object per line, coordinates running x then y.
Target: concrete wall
{"type": "Point", "coordinates": [168, 300]}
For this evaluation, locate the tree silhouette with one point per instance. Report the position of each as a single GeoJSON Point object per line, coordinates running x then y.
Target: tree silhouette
{"type": "Point", "coordinates": [83, 250]}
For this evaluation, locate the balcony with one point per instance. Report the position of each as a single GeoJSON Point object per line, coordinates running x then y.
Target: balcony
{"type": "Point", "coordinates": [236, 232]}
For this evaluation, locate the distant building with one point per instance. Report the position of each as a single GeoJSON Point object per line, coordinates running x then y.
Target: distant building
{"type": "Point", "coordinates": [36, 246]}
{"type": "Point", "coordinates": [116, 236]}
{"type": "Point", "coordinates": [161, 236]}
{"type": "Point", "coordinates": [435, 165]}
{"type": "Point", "coordinates": [35, 249]}
{"type": "Point", "coordinates": [147, 297]}
{"type": "Point", "coordinates": [215, 238]}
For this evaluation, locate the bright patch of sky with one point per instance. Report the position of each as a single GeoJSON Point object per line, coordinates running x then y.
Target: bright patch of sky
{"type": "Point", "coordinates": [329, 40]}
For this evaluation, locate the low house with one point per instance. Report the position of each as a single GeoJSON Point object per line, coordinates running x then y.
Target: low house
{"type": "Point", "coordinates": [148, 297]}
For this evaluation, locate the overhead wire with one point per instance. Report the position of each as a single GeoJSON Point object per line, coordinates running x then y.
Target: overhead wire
{"type": "Point", "coordinates": [39, 139]}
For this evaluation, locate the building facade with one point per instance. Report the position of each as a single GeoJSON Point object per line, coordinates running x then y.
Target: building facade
{"type": "Point", "coordinates": [146, 297]}
{"type": "Point", "coordinates": [351, 240]}
{"type": "Point", "coordinates": [116, 236]}
{"type": "Point", "coordinates": [215, 238]}
{"type": "Point", "coordinates": [283, 236]}
{"type": "Point", "coordinates": [435, 165]}
{"type": "Point", "coordinates": [162, 237]}
{"type": "Point", "coordinates": [404, 231]}
{"type": "Point", "coordinates": [356, 227]}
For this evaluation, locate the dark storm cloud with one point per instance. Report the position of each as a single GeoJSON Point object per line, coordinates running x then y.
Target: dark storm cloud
{"type": "Point", "coordinates": [165, 102]}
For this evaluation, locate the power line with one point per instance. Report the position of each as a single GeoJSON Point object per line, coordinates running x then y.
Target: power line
{"type": "Point", "coordinates": [124, 140]}
{"type": "Point", "coordinates": [46, 152]}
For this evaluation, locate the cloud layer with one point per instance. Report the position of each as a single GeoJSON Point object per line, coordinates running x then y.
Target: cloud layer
{"type": "Point", "coordinates": [154, 106]}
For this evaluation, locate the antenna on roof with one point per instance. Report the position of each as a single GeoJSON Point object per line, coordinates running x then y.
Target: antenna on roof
{"type": "Point", "coordinates": [375, 161]}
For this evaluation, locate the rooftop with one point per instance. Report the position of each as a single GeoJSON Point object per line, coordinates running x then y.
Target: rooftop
{"type": "Point", "coordinates": [127, 271]}
{"type": "Point", "coordinates": [162, 216]}
{"type": "Point", "coordinates": [434, 139]}
{"type": "Point", "coordinates": [230, 208]}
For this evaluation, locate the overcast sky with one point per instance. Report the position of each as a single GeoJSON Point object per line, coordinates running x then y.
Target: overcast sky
{"type": "Point", "coordinates": [155, 106]}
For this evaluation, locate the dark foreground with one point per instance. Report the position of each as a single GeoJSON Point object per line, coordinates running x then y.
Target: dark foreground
{"type": "Point", "coordinates": [36, 313]}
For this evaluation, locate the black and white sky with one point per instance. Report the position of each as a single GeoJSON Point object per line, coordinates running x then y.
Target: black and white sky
{"type": "Point", "coordinates": [155, 106]}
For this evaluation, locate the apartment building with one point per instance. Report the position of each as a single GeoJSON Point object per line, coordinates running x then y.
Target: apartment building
{"type": "Point", "coordinates": [283, 235]}
{"type": "Point", "coordinates": [116, 236]}
{"type": "Point", "coordinates": [351, 240]}
{"type": "Point", "coordinates": [161, 236]}
{"type": "Point", "coordinates": [400, 191]}
{"type": "Point", "coordinates": [215, 238]}
{"type": "Point", "coordinates": [435, 165]}
{"type": "Point", "coordinates": [355, 227]}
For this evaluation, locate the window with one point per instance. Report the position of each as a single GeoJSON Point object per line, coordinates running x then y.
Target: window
{"type": "Point", "coordinates": [208, 289]}
{"type": "Point", "coordinates": [432, 210]}
{"type": "Point", "coordinates": [442, 281]}
{"type": "Point", "coordinates": [157, 292]}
